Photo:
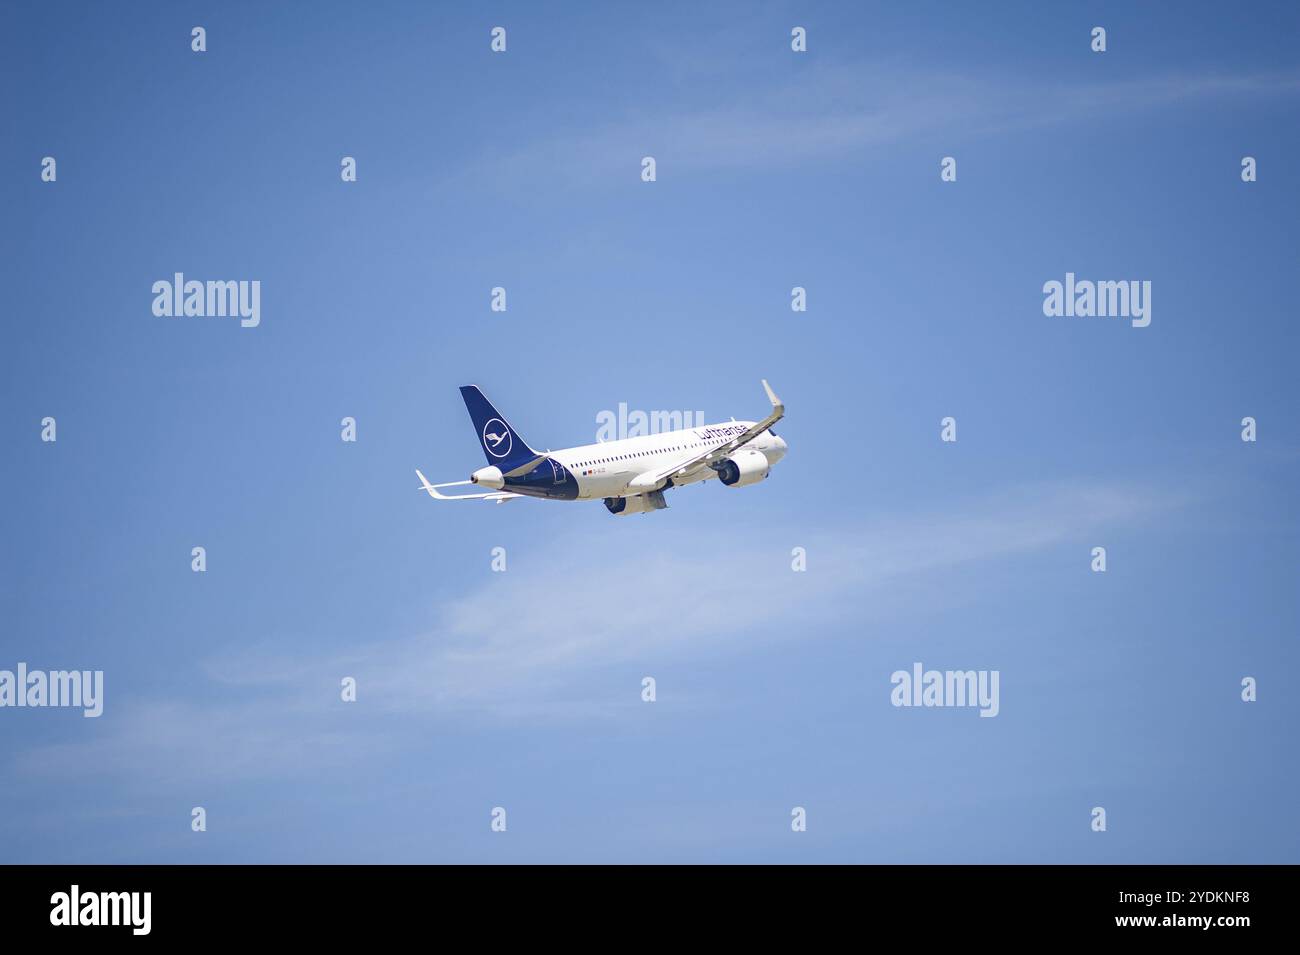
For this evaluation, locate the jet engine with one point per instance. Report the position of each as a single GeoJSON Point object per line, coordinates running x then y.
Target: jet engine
{"type": "Point", "coordinates": [638, 504]}
{"type": "Point", "coordinates": [743, 468]}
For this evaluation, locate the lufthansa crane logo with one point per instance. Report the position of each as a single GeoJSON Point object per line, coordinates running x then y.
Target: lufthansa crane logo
{"type": "Point", "coordinates": [496, 438]}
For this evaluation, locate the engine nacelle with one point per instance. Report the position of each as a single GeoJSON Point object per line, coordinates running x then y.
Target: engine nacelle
{"type": "Point", "coordinates": [489, 477]}
{"type": "Point", "coordinates": [744, 468]}
{"type": "Point", "coordinates": [639, 504]}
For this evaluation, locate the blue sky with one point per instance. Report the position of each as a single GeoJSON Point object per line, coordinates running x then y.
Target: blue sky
{"type": "Point", "coordinates": [522, 689]}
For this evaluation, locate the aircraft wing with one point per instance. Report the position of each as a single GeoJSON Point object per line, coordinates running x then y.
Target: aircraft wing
{"type": "Point", "coordinates": [713, 455]}
{"type": "Point", "coordinates": [497, 496]}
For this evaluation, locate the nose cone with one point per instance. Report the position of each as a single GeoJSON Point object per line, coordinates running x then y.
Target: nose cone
{"type": "Point", "coordinates": [779, 448]}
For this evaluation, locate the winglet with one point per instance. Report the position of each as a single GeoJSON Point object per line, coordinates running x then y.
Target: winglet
{"type": "Point", "coordinates": [424, 482]}
{"type": "Point", "coordinates": [771, 396]}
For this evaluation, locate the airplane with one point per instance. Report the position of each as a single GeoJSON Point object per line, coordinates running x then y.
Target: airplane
{"type": "Point", "coordinates": [630, 475]}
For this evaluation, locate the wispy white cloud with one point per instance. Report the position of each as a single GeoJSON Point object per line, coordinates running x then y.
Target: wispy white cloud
{"type": "Point", "coordinates": [504, 641]}
{"type": "Point", "coordinates": [530, 644]}
{"type": "Point", "coordinates": [832, 112]}
{"type": "Point", "coordinates": [166, 743]}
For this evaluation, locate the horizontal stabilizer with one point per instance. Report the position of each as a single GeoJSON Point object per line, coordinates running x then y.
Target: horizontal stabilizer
{"type": "Point", "coordinates": [433, 489]}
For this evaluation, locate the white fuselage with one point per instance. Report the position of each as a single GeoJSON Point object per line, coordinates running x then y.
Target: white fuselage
{"type": "Point", "coordinates": [604, 469]}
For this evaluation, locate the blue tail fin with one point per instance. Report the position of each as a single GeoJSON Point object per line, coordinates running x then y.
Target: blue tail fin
{"type": "Point", "coordinates": [501, 443]}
